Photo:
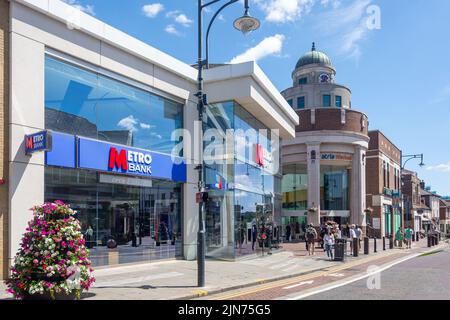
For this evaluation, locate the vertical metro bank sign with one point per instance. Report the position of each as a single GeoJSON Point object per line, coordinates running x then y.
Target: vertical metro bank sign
{"type": "Point", "coordinates": [40, 141]}
{"type": "Point", "coordinates": [98, 155]}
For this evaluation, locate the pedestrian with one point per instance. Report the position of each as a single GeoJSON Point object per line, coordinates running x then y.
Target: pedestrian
{"type": "Point", "coordinates": [254, 236]}
{"type": "Point", "coordinates": [352, 234]}
{"type": "Point", "coordinates": [323, 231]}
{"type": "Point", "coordinates": [338, 232]}
{"type": "Point", "coordinates": [311, 235]}
{"type": "Point", "coordinates": [399, 237]}
{"type": "Point", "coordinates": [359, 233]}
{"type": "Point", "coordinates": [288, 233]}
{"type": "Point", "coordinates": [408, 237]}
{"type": "Point", "coordinates": [329, 244]}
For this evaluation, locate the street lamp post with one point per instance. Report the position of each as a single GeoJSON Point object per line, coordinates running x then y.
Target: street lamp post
{"type": "Point", "coordinates": [246, 24]}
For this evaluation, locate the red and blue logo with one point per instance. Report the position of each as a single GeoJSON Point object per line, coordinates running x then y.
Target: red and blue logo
{"type": "Point", "coordinates": [130, 161]}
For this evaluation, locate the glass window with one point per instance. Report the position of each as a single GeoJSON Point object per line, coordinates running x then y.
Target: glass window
{"type": "Point", "coordinates": [290, 102]}
{"type": "Point", "coordinates": [143, 223]}
{"type": "Point", "coordinates": [334, 188]}
{"type": "Point", "coordinates": [303, 81]}
{"type": "Point", "coordinates": [84, 103]}
{"type": "Point", "coordinates": [301, 102]}
{"type": "Point", "coordinates": [295, 187]}
{"type": "Point", "coordinates": [338, 101]}
{"type": "Point", "coordinates": [326, 100]}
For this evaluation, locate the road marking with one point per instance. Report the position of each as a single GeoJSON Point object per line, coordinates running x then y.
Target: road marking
{"type": "Point", "coordinates": [354, 280]}
{"type": "Point", "coordinates": [336, 275]}
{"type": "Point", "coordinates": [200, 293]}
{"type": "Point", "coordinates": [299, 284]}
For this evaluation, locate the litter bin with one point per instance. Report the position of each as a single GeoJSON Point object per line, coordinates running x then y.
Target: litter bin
{"type": "Point", "coordinates": [340, 248]}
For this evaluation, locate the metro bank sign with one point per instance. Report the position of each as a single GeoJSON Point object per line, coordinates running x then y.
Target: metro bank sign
{"type": "Point", "coordinates": [103, 156]}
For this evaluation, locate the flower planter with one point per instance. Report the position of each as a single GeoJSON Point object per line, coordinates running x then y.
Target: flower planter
{"type": "Point", "coordinates": [46, 296]}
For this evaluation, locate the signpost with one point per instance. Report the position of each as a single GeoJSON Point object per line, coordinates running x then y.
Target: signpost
{"type": "Point", "coordinates": [37, 142]}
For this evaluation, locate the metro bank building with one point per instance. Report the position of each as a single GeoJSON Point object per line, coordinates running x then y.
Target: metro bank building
{"type": "Point", "coordinates": [91, 117]}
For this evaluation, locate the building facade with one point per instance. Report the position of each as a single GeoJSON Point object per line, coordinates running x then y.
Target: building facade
{"type": "Point", "coordinates": [383, 185]}
{"type": "Point", "coordinates": [444, 216]}
{"type": "Point", "coordinates": [324, 166]}
{"type": "Point", "coordinates": [4, 134]}
{"type": "Point", "coordinates": [431, 211]}
{"type": "Point", "coordinates": [413, 206]}
{"type": "Point", "coordinates": [121, 118]}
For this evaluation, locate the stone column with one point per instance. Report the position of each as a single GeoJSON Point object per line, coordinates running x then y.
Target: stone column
{"type": "Point", "coordinates": [313, 165]}
{"type": "Point", "coordinates": [358, 188]}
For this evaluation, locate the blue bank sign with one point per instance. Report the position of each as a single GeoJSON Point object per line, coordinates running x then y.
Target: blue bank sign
{"type": "Point", "coordinates": [71, 151]}
{"type": "Point", "coordinates": [40, 141]}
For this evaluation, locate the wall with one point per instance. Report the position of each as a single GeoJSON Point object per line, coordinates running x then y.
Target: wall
{"type": "Point", "coordinates": [4, 119]}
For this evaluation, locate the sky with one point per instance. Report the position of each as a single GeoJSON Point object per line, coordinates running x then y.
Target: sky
{"type": "Point", "coordinates": [393, 54]}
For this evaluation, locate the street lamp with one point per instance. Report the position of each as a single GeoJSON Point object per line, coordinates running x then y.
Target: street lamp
{"type": "Point", "coordinates": [413, 156]}
{"type": "Point", "coordinates": [245, 24]}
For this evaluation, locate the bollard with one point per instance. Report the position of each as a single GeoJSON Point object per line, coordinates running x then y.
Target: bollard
{"type": "Point", "coordinates": [355, 247]}
{"type": "Point", "coordinates": [374, 245]}
{"type": "Point", "coordinates": [417, 236]}
{"type": "Point", "coordinates": [384, 243]}
{"type": "Point", "coordinates": [429, 241]}
{"type": "Point", "coordinates": [391, 242]}
{"type": "Point", "coordinates": [366, 245]}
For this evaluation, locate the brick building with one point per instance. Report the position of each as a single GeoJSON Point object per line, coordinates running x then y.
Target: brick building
{"type": "Point", "coordinates": [414, 208]}
{"type": "Point", "coordinates": [4, 115]}
{"type": "Point", "coordinates": [383, 164]}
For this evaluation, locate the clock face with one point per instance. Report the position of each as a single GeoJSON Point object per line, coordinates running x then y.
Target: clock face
{"type": "Point", "coordinates": [324, 78]}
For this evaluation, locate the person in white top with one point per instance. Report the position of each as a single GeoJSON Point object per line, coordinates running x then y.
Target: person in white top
{"type": "Point", "coordinates": [328, 240]}
{"type": "Point", "coordinates": [352, 236]}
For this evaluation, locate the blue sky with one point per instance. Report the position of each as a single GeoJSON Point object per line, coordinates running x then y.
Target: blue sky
{"type": "Point", "coordinates": [399, 73]}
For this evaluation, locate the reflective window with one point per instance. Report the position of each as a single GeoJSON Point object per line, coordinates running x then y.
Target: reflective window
{"type": "Point", "coordinates": [338, 101]}
{"type": "Point", "coordinates": [139, 224]}
{"type": "Point", "coordinates": [303, 81]}
{"type": "Point", "coordinates": [334, 188]}
{"type": "Point", "coordinates": [295, 187]}
{"type": "Point", "coordinates": [84, 103]}
{"type": "Point", "coordinates": [301, 102]}
{"type": "Point", "coordinates": [326, 100]}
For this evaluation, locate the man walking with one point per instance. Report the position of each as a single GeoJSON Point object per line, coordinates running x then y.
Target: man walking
{"type": "Point", "coordinates": [352, 233]}
{"type": "Point", "coordinates": [311, 235]}
{"type": "Point", "coordinates": [408, 237]}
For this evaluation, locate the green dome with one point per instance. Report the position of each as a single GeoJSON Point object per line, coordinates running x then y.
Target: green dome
{"type": "Point", "coordinates": [314, 57]}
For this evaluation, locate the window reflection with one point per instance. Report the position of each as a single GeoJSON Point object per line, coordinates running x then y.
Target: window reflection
{"type": "Point", "coordinates": [83, 103]}
{"type": "Point", "coordinates": [334, 192]}
{"type": "Point", "coordinates": [295, 187]}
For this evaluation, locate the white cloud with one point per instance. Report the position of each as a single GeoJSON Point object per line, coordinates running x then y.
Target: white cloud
{"type": "Point", "coordinates": [172, 30]}
{"type": "Point", "coordinates": [89, 9]}
{"type": "Point", "coordinates": [154, 134]}
{"type": "Point", "coordinates": [183, 20]}
{"type": "Point", "coordinates": [269, 46]}
{"type": "Point", "coordinates": [442, 96]}
{"type": "Point", "coordinates": [152, 10]}
{"type": "Point", "coordinates": [346, 26]}
{"type": "Point", "coordinates": [129, 123]}
{"type": "Point", "coordinates": [281, 11]}
{"type": "Point", "coordinates": [445, 167]}
{"type": "Point", "coordinates": [146, 126]}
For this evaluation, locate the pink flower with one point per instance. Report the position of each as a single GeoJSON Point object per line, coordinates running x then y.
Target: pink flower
{"type": "Point", "coordinates": [35, 261]}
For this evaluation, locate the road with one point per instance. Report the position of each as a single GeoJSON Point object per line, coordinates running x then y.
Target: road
{"type": "Point", "coordinates": [424, 277]}
{"type": "Point", "coordinates": [405, 275]}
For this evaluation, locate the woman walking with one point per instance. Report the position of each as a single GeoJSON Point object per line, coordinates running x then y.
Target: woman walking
{"type": "Point", "coordinates": [328, 240]}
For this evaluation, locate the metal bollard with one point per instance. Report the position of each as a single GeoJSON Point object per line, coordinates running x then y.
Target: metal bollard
{"type": "Point", "coordinates": [355, 247]}
{"type": "Point", "coordinates": [429, 241]}
{"type": "Point", "coordinates": [366, 245]}
{"type": "Point", "coordinates": [417, 236]}
{"type": "Point", "coordinates": [374, 245]}
{"type": "Point", "coordinates": [384, 243]}
{"type": "Point", "coordinates": [413, 237]}
{"type": "Point", "coordinates": [391, 242]}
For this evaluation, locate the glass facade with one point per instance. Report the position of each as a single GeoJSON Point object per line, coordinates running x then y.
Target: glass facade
{"type": "Point", "coordinates": [81, 102]}
{"type": "Point", "coordinates": [241, 191]}
{"type": "Point", "coordinates": [326, 100]}
{"type": "Point", "coordinates": [295, 188]}
{"type": "Point", "coordinates": [121, 223]}
{"type": "Point", "coordinates": [334, 188]}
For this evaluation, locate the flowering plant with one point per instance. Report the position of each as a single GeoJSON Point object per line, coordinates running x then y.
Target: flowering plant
{"type": "Point", "coordinates": [52, 257]}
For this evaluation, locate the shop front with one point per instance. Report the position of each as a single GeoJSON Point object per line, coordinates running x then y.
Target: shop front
{"type": "Point", "coordinates": [110, 160]}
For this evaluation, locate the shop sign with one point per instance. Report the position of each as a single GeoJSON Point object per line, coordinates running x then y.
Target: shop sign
{"type": "Point", "coordinates": [103, 156]}
{"type": "Point", "coordinates": [376, 223]}
{"type": "Point", "coordinates": [336, 156]}
{"type": "Point", "coordinates": [40, 141]}
{"type": "Point", "coordinates": [124, 180]}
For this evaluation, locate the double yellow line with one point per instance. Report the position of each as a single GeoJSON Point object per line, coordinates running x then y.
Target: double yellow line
{"type": "Point", "coordinates": [290, 281]}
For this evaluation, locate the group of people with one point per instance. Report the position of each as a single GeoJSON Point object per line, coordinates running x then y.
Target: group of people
{"type": "Point", "coordinates": [328, 234]}
{"type": "Point", "coordinates": [404, 235]}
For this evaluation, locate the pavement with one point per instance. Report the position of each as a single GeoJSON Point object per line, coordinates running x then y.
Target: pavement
{"type": "Point", "coordinates": [177, 279]}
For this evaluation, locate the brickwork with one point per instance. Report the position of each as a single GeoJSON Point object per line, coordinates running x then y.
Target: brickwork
{"type": "Point", "coordinates": [4, 114]}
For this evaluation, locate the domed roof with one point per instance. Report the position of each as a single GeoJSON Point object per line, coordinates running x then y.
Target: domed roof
{"type": "Point", "coordinates": [314, 57]}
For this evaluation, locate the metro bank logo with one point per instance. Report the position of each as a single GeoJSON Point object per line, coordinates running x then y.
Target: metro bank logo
{"type": "Point", "coordinates": [130, 161]}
